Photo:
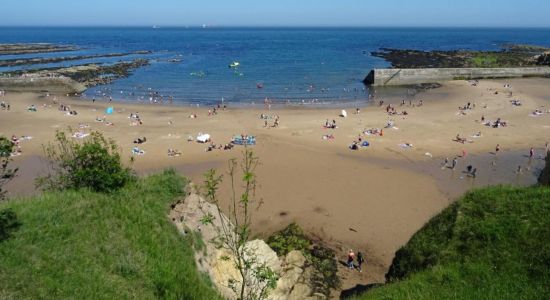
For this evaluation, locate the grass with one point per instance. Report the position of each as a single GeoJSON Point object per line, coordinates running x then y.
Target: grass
{"type": "Point", "coordinates": [485, 60]}
{"type": "Point", "coordinates": [492, 244]}
{"type": "Point", "coordinates": [86, 245]}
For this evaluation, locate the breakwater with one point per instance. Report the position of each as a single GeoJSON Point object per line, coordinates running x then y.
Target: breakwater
{"type": "Point", "coordinates": [381, 77]}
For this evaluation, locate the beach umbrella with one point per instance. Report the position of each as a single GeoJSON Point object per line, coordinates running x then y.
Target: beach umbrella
{"type": "Point", "coordinates": [109, 110]}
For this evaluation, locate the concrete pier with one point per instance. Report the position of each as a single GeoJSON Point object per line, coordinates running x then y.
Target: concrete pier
{"type": "Point", "coordinates": [382, 77]}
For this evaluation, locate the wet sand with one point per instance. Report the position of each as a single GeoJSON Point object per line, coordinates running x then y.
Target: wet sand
{"type": "Point", "coordinates": [372, 200]}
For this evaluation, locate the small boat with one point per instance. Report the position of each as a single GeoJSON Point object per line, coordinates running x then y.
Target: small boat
{"type": "Point", "coordinates": [260, 85]}
{"type": "Point", "coordinates": [155, 27]}
{"type": "Point", "coordinates": [234, 65]}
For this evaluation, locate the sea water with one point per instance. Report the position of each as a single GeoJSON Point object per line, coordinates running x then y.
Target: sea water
{"type": "Point", "coordinates": [287, 65]}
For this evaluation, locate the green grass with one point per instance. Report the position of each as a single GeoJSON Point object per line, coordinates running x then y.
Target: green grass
{"type": "Point", "coordinates": [485, 60]}
{"type": "Point", "coordinates": [492, 244]}
{"type": "Point", "coordinates": [86, 245]}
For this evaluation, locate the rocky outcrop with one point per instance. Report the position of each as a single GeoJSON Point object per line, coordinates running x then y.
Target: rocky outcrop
{"type": "Point", "coordinates": [50, 60]}
{"type": "Point", "coordinates": [544, 59]}
{"type": "Point", "coordinates": [59, 85]}
{"type": "Point", "coordinates": [89, 74]}
{"type": "Point", "coordinates": [510, 56]}
{"type": "Point", "coordinates": [544, 178]}
{"type": "Point", "coordinates": [13, 49]}
{"type": "Point", "coordinates": [294, 275]}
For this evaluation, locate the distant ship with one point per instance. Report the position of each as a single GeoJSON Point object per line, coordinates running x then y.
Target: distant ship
{"type": "Point", "coordinates": [155, 27]}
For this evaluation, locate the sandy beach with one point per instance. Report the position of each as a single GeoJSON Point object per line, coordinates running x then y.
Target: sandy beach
{"type": "Point", "coordinates": [374, 198]}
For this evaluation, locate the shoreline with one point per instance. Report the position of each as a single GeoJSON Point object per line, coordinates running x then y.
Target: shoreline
{"type": "Point", "coordinates": [385, 192]}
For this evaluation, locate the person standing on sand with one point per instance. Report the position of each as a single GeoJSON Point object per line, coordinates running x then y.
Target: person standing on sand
{"type": "Point", "coordinates": [497, 149]}
{"type": "Point", "coordinates": [351, 258]}
{"type": "Point", "coordinates": [360, 261]}
{"type": "Point", "coordinates": [455, 161]}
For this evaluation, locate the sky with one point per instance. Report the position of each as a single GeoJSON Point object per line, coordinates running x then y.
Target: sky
{"type": "Point", "coordinates": [356, 13]}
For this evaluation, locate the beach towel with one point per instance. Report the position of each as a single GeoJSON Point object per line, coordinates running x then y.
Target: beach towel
{"type": "Point", "coordinates": [247, 141]}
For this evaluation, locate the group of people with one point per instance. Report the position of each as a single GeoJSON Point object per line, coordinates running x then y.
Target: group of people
{"type": "Point", "coordinates": [5, 106]}
{"type": "Point", "coordinates": [352, 259]}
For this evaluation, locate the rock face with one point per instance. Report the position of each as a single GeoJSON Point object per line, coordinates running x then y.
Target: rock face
{"type": "Point", "coordinates": [294, 278]}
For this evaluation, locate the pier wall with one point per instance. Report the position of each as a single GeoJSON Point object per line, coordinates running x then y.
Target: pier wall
{"type": "Point", "coordinates": [59, 85]}
{"type": "Point", "coordinates": [381, 77]}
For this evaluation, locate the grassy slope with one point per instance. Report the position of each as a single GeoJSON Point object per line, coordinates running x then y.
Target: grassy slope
{"type": "Point", "coordinates": [492, 244]}
{"type": "Point", "coordinates": [82, 245]}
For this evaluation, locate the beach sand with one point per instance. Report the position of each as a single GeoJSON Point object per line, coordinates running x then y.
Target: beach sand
{"type": "Point", "coordinates": [372, 200]}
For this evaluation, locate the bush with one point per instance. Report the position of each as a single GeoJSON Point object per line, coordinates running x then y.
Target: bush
{"type": "Point", "coordinates": [94, 163]}
{"type": "Point", "coordinates": [8, 223]}
{"type": "Point", "coordinates": [6, 174]}
{"type": "Point", "coordinates": [322, 259]}
{"type": "Point", "coordinates": [290, 238]}
{"type": "Point", "coordinates": [325, 275]}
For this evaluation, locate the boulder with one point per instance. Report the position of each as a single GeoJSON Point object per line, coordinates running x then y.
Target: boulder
{"type": "Point", "coordinates": [219, 263]}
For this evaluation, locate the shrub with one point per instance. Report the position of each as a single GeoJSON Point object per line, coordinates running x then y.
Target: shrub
{"type": "Point", "coordinates": [321, 259]}
{"type": "Point", "coordinates": [8, 222]}
{"type": "Point", "coordinates": [94, 163]}
{"type": "Point", "coordinates": [6, 174]}
{"type": "Point", "coordinates": [290, 238]}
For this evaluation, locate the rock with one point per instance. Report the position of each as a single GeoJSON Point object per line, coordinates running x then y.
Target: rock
{"type": "Point", "coordinates": [295, 258]}
{"type": "Point", "coordinates": [300, 291]}
{"type": "Point", "coordinates": [219, 263]}
{"type": "Point", "coordinates": [265, 255]}
{"type": "Point", "coordinates": [286, 283]}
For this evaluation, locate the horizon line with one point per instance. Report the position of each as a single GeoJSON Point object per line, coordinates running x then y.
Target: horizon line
{"type": "Point", "coordinates": [212, 26]}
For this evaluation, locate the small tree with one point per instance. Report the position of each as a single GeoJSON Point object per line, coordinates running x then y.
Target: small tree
{"type": "Point", "coordinates": [256, 278]}
{"type": "Point", "coordinates": [6, 174]}
{"type": "Point", "coordinates": [93, 163]}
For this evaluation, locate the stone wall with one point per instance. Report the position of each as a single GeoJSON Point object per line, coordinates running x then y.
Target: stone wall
{"type": "Point", "coordinates": [381, 77]}
{"type": "Point", "coordinates": [59, 85]}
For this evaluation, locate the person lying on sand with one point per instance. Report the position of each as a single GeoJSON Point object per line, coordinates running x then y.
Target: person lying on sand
{"type": "Point", "coordinates": [515, 102]}
{"type": "Point", "coordinates": [80, 135]}
{"type": "Point", "coordinates": [137, 151]}
{"type": "Point", "coordinates": [459, 139]}
{"type": "Point", "coordinates": [173, 153]}
{"type": "Point", "coordinates": [140, 140]}
{"type": "Point", "coordinates": [328, 137]}
{"type": "Point", "coordinates": [31, 108]}
{"type": "Point", "coordinates": [329, 125]}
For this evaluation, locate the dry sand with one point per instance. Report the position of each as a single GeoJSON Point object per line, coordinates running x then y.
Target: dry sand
{"type": "Point", "coordinates": [372, 200]}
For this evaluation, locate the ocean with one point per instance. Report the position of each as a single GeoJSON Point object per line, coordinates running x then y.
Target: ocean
{"type": "Point", "coordinates": [288, 65]}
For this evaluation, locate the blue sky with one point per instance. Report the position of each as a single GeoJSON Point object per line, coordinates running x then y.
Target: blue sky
{"type": "Point", "coordinates": [483, 13]}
